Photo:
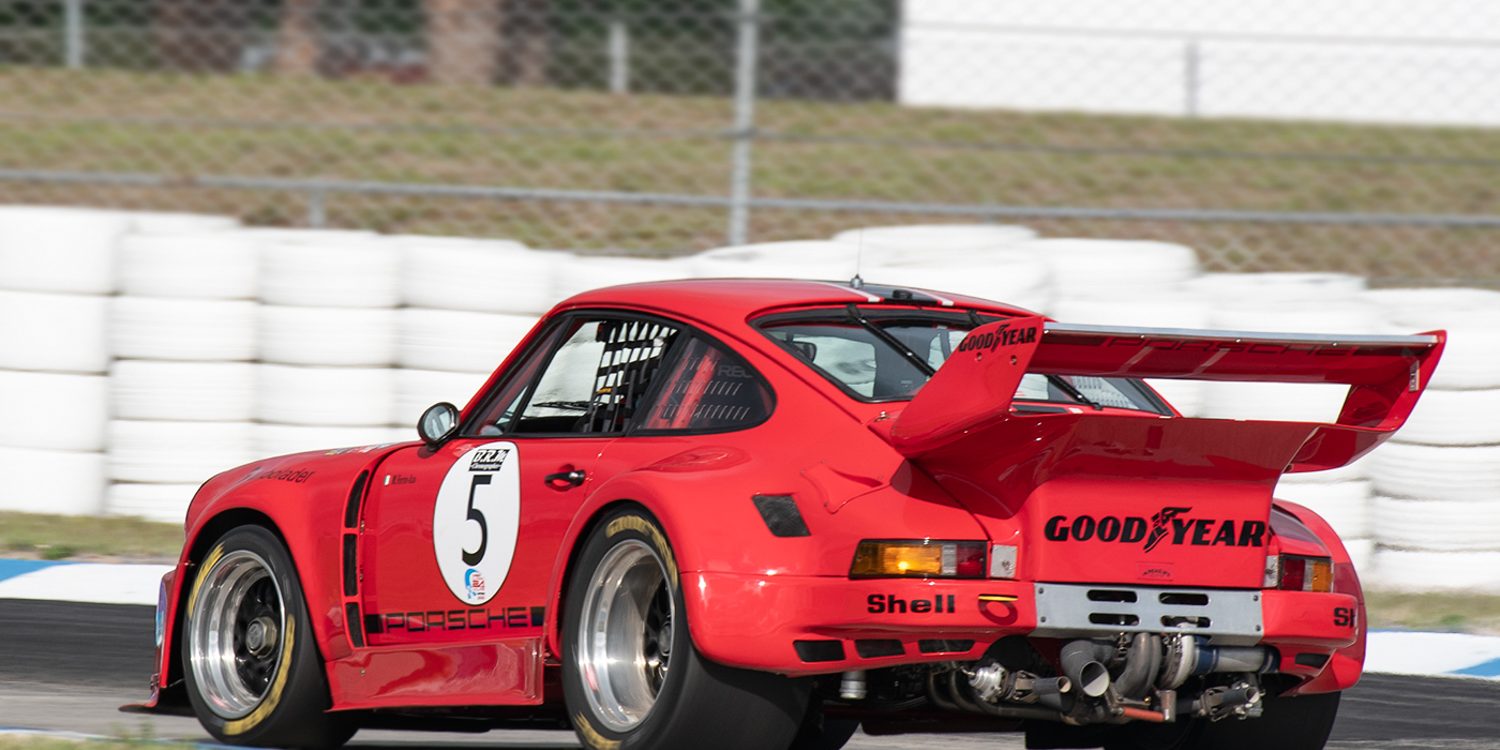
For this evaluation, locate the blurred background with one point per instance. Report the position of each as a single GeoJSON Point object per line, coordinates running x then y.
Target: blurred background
{"type": "Point", "coordinates": [1348, 135]}
{"type": "Point", "coordinates": [238, 228]}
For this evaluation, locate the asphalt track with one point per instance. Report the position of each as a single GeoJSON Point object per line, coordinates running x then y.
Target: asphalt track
{"type": "Point", "coordinates": [67, 667]}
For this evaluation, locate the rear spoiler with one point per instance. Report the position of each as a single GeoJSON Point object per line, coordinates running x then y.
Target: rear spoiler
{"type": "Point", "coordinates": [974, 388]}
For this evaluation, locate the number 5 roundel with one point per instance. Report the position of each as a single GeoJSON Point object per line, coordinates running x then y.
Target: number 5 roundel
{"type": "Point", "coordinates": [475, 521]}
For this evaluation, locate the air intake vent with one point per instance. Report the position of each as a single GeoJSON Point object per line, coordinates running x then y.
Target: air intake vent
{"type": "Point", "coordinates": [870, 649]}
{"type": "Point", "coordinates": [781, 515]}
{"type": "Point", "coordinates": [945, 647]}
{"type": "Point", "coordinates": [816, 651]}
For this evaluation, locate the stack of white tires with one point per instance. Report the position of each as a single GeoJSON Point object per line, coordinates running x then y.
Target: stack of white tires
{"type": "Point", "coordinates": [1437, 504]}
{"type": "Point", "coordinates": [57, 270]}
{"type": "Point", "coordinates": [1297, 303]}
{"type": "Point", "coordinates": [1139, 284]}
{"type": "Point", "coordinates": [977, 260]}
{"type": "Point", "coordinates": [468, 303]}
{"type": "Point", "coordinates": [326, 340]}
{"type": "Point", "coordinates": [182, 385]}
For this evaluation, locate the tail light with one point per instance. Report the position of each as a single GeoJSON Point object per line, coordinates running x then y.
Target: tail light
{"type": "Point", "coordinates": [1299, 573]}
{"type": "Point", "coordinates": [918, 558]}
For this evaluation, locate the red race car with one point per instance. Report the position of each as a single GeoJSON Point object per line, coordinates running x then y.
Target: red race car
{"type": "Point", "coordinates": [760, 514]}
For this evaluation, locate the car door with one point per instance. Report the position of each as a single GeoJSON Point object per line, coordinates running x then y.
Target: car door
{"type": "Point", "coordinates": [458, 543]}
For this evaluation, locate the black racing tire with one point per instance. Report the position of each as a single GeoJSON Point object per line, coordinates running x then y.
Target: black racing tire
{"type": "Point", "coordinates": [290, 709]}
{"type": "Point", "coordinates": [820, 732]}
{"type": "Point", "coordinates": [674, 699]}
{"type": "Point", "coordinates": [1300, 723]}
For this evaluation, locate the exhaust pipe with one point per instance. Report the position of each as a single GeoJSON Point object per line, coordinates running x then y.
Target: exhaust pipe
{"type": "Point", "coordinates": [1054, 693]}
{"type": "Point", "coordinates": [1142, 664]}
{"type": "Point", "coordinates": [1083, 663]}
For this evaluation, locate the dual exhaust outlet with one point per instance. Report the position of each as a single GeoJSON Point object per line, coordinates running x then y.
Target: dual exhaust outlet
{"type": "Point", "coordinates": [1103, 679]}
{"type": "Point", "coordinates": [1154, 662]}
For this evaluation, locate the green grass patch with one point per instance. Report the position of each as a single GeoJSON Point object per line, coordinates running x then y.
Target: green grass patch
{"type": "Point", "coordinates": [366, 130]}
{"type": "Point", "coordinates": [49, 537]}
{"type": "Point", "coordinates": [1456, 612]}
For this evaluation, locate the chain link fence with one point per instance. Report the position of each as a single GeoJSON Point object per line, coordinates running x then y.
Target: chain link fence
{"type": "Point", "coordinates": [1356, 136]}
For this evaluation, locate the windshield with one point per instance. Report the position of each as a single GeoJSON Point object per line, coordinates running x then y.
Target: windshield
{"type": "Point", "coordinates": [880, 356]}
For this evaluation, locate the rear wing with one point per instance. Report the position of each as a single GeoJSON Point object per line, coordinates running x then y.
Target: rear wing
{"type": "Point", "coordinates": [974, 388]}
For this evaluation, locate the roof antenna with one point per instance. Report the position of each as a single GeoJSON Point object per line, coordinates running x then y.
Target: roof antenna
{"type": "Point", "coordinates": [858, 281]}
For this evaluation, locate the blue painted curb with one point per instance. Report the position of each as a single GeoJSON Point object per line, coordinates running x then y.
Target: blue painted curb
{"type": "Point", "coordinates": [13, 568]}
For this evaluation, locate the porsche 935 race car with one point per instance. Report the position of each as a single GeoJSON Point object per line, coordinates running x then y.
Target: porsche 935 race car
{"type": "Point", "coordinates": [760, 514]}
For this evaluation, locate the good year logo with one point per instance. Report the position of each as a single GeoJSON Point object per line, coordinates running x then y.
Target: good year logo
{"type": "Point", "coordinates": [1170, 524]}
{"type": "Point", "coordinates": [1003, 336]}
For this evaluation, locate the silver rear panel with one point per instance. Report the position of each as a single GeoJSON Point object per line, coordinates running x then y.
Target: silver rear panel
{"type": "Point", "coordinates": [1226, 617]}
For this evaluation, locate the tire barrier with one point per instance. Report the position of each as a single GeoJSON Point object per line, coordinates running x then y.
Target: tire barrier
{"type": "Point", "coordinates": [229, 344]}
{"type": "Point", "coordinates": [324, 396]}
{"type": "Point", "coordinates": [176, 452]}
{"type": "Point", "coordinates": [457, 341]}
{"type": "Point", "coordinates": [580, 273]}
{"type": "Point", "coordinates": [285, 439]}
{"type": "Point", "coordinates": [47, 249]}
{"type": "Point", "coordinates": [53, 411]}
{"type": "Point", "coordinates": [182, 391]}
{"type": "Point", "coordinates": [335, 336]}
{"type": "Point", "coordinates": [1344, 505]}
{"type": "Point", "coordinates": [493, 276]}
{"type": "Point", "coordinates": [54, 332]}
{"type": "Point", "coordinates": [191, 330]}
{"type": "Point", "coordinates": [69, 483]}
{"type": "Point", "coordinates": [165, 503]}
{"type": "Point", "coordinates": [1434, 472]}
{"type": "Point", "coordinates": [329, 269]}
{"type": "Point", "coordinates": [808, 259]}
{"type": "Point", "coordinates": [418, 389]}
{"type": "Point", "coordinates": [200, 264]}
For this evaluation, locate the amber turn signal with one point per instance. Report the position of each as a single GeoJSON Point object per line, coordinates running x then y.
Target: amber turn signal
{"type": "Point", "coordinates": [918, 558]}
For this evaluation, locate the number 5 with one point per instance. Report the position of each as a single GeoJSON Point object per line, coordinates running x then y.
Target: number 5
{"type": "Point", "coordinates": [472, 558]}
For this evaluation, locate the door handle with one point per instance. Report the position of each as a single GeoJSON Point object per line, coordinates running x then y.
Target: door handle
{"type": "Point", "coordinates": [564, 479]}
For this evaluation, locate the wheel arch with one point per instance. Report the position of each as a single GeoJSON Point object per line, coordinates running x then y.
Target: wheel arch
{"type": "Point", "coordinates": [303, 552]}
{"type": "Point", "coordinates": [578, 534]}
{"type": "Point", "coordinates": [1346, 666]}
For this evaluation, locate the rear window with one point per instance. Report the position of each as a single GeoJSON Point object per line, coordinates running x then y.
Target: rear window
{"type": "Point", "coordinates": [878, 356]}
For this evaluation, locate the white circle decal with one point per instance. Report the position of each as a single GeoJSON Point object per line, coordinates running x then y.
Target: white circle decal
{"type": "Point", "coordinates": [476, 519]}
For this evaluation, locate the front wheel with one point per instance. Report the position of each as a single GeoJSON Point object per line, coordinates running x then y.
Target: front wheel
{"type": "Point", "coordinates": [253, 673]}
{"type": "Point", "coordinates": [632, 678]}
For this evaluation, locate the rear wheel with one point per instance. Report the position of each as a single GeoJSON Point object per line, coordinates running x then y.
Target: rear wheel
{"type": "Point", "coordinates": [252, 671]}
{"type": "Point", "coordinates": [632, 678]}
{"type": "Point", "coordinates": [820, 732]}
{"type": "Point", "coordinates": [1301, 723]}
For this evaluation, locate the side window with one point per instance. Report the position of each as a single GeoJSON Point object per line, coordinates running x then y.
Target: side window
{"type": "Point", "coordinates": [595, 380]}
{"type": "Point", "coordinates": [709, 388]}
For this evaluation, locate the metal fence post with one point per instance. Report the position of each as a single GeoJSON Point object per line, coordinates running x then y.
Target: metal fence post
{"type": "Point", "coordinates": [75, 46]}
{"type": "Point", "coordinates": [619, 57]}
{"type": "Point", "coordinates": [748, 43]}
{"type": "Point", "coordinates": [317, 209]}
{"type": "Point", "coordinates": [1192, 64]}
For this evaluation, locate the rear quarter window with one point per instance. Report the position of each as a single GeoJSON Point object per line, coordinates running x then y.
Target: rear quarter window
{"type": "Point", "coordinates": [709, 389]}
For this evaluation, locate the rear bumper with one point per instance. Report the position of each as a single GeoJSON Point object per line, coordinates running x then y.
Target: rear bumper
{"type": "Point", "coordinates": [812, 625]}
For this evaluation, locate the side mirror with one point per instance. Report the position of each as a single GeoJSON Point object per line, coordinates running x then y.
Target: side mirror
{"type": "Point", "coordinates": [438, 423]}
